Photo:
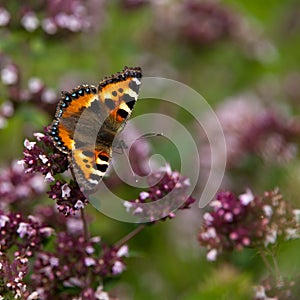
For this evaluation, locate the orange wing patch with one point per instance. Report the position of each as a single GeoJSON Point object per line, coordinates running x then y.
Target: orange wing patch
{"type": "Point", "coordinates": [120, 97]}
{"type": "Point", "coordinates": [64, 135]}
{"type": "Point", "coordinates": [90, 166]}
{"type": "Point", "coordinates": [67, 113]}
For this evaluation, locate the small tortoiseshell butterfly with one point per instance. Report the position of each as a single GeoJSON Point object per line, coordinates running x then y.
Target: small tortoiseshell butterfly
{"type": "Point", "coordinates": [87, 120]}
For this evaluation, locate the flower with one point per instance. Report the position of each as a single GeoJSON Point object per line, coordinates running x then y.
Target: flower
{"type": "Point", "coordinates": [134, 4]}
{"type": "Point", "coordinates": [246, 220]}
{"type": "Point", "coordinates": [256, 130]}
{"type": "Point", "coordinates": [16, 185]}
{"type": "Point", "coordinates": [198, 23]}
{"type": "Point", "coordinates": [9, 74]}
{"type": "Point", "coordinates": [166, 185]}
{"type": "Point", "coordinates": [29, 233]}
{"type": "Point", "coordinates": [30, 21]}
{"type": "Point", "coordinates": [53, 17]}
{"type": "Point", "coordinates": [74, 260]}
{"type": "Point", "coordinates": [4, 17]}
{"type": "Point", "coordinates": [274, 289]}
{"type": "Point", "coordinates": [43, 157]}
{"type": "Point", "coordinates": [68, 197]}
{"type": "Point", "coordinates": [23, 237]}
{"type": "Point", "coordinates": [37, 92]}
{"type": "Point", "coordinates": [206, 22]}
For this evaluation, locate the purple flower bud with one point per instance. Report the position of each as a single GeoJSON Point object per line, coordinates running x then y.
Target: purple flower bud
{"type": "Point", "coordinates": [4, 17]}
{"type": "Point", "coordinates": [30, 21]}
{"type": "Point", "coordinates": [118, 268]}
{"type": "Point", "coordinates": [9, 75]}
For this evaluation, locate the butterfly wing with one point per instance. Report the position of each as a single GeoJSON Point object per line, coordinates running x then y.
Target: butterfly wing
{"type": "Point", "coordinates": [87, 120]}
{"type": "Point", "coordinates": [68, 112]}
{"type": "Point", "coordinates": [89, 165]}
{"type": "Point", "coordinates": [119, 94]}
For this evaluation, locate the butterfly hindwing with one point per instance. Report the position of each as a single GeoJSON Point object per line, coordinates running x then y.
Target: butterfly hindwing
{"type": "Point", "coordinates": [89, 165]}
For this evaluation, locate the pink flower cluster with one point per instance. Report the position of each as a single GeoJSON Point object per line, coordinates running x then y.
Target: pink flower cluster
{"type": "Point", "coordinates": [168, 192]}
{"type": "Point", "coordinates": [20, 239]}
{"type": "Point", "coordinates": [247, 220]}
{"type": "Point", "coordinates": [16, 91]}
{"type": "Point", "coordinates": [52, 17]}
{"type": "Point", "coordinates": [15, 186]}
{"type": "Point", "coordinates": [76, 264]}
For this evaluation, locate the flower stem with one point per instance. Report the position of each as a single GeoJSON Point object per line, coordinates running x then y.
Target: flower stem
{"type": "Point", "coordinates": [84, 223]}
{"type": "Point", "coordinates": [276, 267]}
{"type": "Point", "coordinates": [266, 261]}
{"type": "Point", "coordinates": [129, 236]}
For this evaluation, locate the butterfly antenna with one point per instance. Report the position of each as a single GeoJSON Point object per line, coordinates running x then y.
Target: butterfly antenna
{"type": "Point", "coordinates": [150, 134]}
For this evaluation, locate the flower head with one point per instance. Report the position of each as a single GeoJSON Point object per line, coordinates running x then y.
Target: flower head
{"type": "Point", "coordinates": [243, 221]}
{"type": "Point", "coordinates": [54, 18]}
{"type": "Point", "coordinates": [16, 185]}
{"type": "Point", "coordinates": [168, 191]}
{"type": "Point", "coordinates": [254, 130]}
{"type": "Point", "coordinates": [20, 239]}
{"type": "Point", "coordinates": [68, 197]}
{"type": "Point", "coordinates": [206, 22]}
{"type": "Point", "coordinates": [74, 260]}
{"type": "Point", "coordinates": [43, 157]}
{"type": "Point", "coordinates": [272, 289]}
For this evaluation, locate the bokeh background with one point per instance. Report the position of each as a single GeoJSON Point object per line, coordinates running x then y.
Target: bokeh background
{"type": "Point", "coordinates": [242, 56]}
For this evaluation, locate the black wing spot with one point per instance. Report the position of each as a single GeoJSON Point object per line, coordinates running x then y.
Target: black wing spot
{"type": "Point", "coordinates": [130, 101]}
{"type": "Point", "coordinates": [110, 103]}
{"type": "Point", "coordinates": [95, 177]}
{"type": "Point", "coordinates": [114, 93]}
{"type": "Point", "coordinates": [122, 113]}
{"type": "Point", "coordinates": [95, 107]}
{"type": "Point", "coordinates": [134, 86]}
{"type": "Point", "coordinates": [88, 153]}
{"type": "Point", "coordinates": [101, 168]}
{"type": "Point", "coordinates": [103, 157]}
{"type": "Point", "coordinates": [80, 144]}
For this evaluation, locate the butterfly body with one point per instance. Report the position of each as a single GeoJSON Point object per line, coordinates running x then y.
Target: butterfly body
{"type": "Point", "coordinates": [87, 120]}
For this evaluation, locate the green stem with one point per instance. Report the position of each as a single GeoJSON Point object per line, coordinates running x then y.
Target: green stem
{"type": "Point", "coordinates": [129, 236]}
{"type": "Point", "coordinates": [84, 223]}
{"type": "Point", "coordinates": [276, 267]}
{"type": "Point", "coordinates": [266, 261]}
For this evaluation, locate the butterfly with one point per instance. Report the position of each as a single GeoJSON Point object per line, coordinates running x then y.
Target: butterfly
{"type": "Point", "coordinates": [87, 120]}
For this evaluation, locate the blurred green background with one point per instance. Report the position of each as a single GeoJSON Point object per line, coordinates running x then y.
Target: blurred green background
{"type": "Point", "coordinates": [242, 47]}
